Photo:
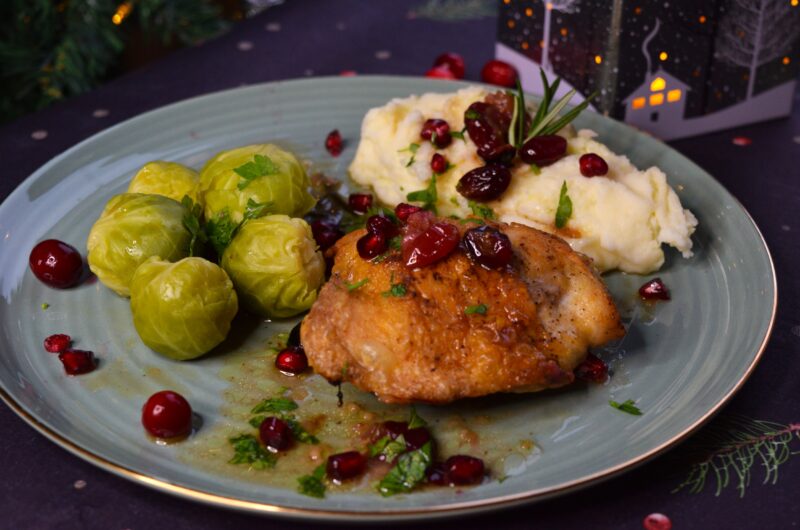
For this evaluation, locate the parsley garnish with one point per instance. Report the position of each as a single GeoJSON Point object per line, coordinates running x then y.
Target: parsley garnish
{"type": "Point", "coordinates": [380, 258]}
{"type": "Point", "coordinates": [191, 221]}
{"type": "Point", "coordinates": [536, 169]}
{"type": "Point", "coordinates": [628, 406]}
{"type": "Point", "coordinates": [481, 210]}
{"type": "Point", "coordinates": [279, 406]}
{"type": "Point", "coordinates": [479, 309]}
{"type": "Point", "coordinates": [300, 434]}
{"type": "Point", "coordinates": [254, 209]}
{"type": "Point", "coordinates": [396, 243]}
{"type": "Point", "coordinates": [271, 405]}
{"type": "Point", "coordinates": [472, 220]}
{"type": "Point", "coordinates": [221, 230]}
{"type": "Point", "coordinates": [312, 485]}
{"type": "Point", "coordinates": [261, 166]}
{"type": "Point", "coordinates": [353, 286]}
{"type": "Point", "coordinates": [416, 420]}
{"type": "Point", "coordinates": [249, 451]}
{"type": "Point", "coordinates": [407, 473]}
{"type": "Point", "coordinates": [390, 449]}
{"type": "Point", "coordinates": [471, 114]}
{"type": "Point", "coordinates": [428, 196]}
{"type": "Point", "coordinates": [412, 148]}
{"type": "Point", "coordinates": [564, 210]}
{"type": "Point", "coordinates": [458, 134]}
{"type": "Point", "coordinates": [397, 290]}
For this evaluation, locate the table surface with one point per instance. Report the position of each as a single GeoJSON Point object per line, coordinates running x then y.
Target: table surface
{"type": "Point", "coordinates": [43, 486]}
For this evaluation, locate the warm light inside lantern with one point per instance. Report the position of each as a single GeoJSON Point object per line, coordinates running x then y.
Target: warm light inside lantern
{"type": "Point", "coordinates": [656, 99]}
{"type": "Point", "coordinates": [638, 103]}
{"type": "Point", "coordinates": [786, 60]}
{"type": "Point", "coordinates": [529, 12]}
{"type": "Point", "coordinates": [598, 59]}
{"type": "Point", "coordinates": [702, 19]}
{"type": "Point", "coordinates": [658, 84]}
{"type": "Point", "coordinates": [674, 95]}
{"type": "Point", "coordinates": [663, 56]}
{"type": "Point", "coordinates": [122, 11]}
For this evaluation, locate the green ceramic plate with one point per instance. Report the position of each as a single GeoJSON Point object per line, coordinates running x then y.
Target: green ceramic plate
{"type": "Point", "coordinates": [680, 362]}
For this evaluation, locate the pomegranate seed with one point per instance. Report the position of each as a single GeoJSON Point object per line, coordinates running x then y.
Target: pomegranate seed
{"type": "Point", "coordinates": [654, 290]}
{"type": "Point", "coordinates": [294, 336]}
{"type": "Point", "coordinates": [403, 210]}
{"type": "Point", "coordinates": [382, 226]}
{"type": "Point", "coordinates": [657, 521]}
{"type": "Point", "coordinates": [439, 163]}
{"type": "Point", "coordinates": [334, 143]}
{"type": "Point", "coordinates": [346, 465]}
{"type": "Point", "coordinates": [275, 433]}
{"type": "Point", "coordinates": [487, 126]}
{"type": "Point", "coordinates": [57, 343]}
{"type": "Point", "coordinates": [437, 474]}
{"type": "Point", "coordinates": [292, 360]}
{"type": "Point", "coordinates": [359, 202]}
{"type": "Point", "coordinates": [371, 245]}
{"type": "Point", "coordinates": [432, 245]}
{"type": "Point", "coordinates": [416, 438]}
{"type": "Point", "coordinates": [167, 414]}
{"type": "Point", "coordinates": [543, 150]}
{"type": "Point", "coordinates": [592, 369]}
{"type": "Point", "coordinates": [489, 247]}
{"type": "Point", "coordinates": [484, 183]}
{"type": "Point", "coordinates": [452, 62]}
{"type": "Point", "coordinates": [325, 234]}
{"type": "Point", "coordinates": [593, 165]}
{"type": "Point", "coordinates": [437, 132]}
{"type": "Point", "coordinates": [394, 429]}
{"type": "Point", "coordinates": [56, 263]}
{"type": "Point", "coordinates": [440, 72]}
{"type": "Point", "coordinates": [499, 73]}
{"type": "Point", "coordinates": [77, 362]}
{"type": "Point", "coordinates": [463, 469]}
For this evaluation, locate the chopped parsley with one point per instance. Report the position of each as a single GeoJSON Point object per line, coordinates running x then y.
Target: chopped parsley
{"type": "Point", "coordinates": [396, 243]}
{"type": "Point", "coordinates": [472, 220]}
{"type": "Point", "coordinates": [273, 405]}
{"type": "Point", "coordinates": [300, 434]}
{"type": "Point", "coordinates": [479, 309]}
{"type": "Point", "coordinates": [536, 169]}
{"type": "Point", "coordinates": [564, 210]}
{"type": "Point", "coordinates": [359, 284]}
{"type": "Point", "coordinates": [191, 221]}
{"type": "Point", "coordinates": [472, 115]}
{"type": "Point", "coordinates": [628, 406]}
{"type": "Point", "coordinates": [312, 485]}
{"type": "Point", "coordinates": [247, 450]}
{"type": "Point", "coordinates": [254, 209]}
{"type": "Point", "coordinates": [388, 448]}
{"type": "Point", "coordinates": [412, 148]}
{"type": "Point", "coordinates": [416, 420]}
{"type": "Point", "coordinates": [398, 290]}
{"type": "Point", "coordinates": [408, 473]}
{"type": "Point", "coordinates": [220, 231]}
{"type": "Point", "coordinates": [459, 134]}
{"type": "Point", "coordinates": [260, 166]}
{"type": "Point", "coordinates": [481, 210]}
{"type": "Point", "coordinates": [428, 196]}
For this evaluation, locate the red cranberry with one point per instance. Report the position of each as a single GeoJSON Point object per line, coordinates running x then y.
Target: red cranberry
{"type": "Point", "coordinates": [440, 72]}
{"type": "Point", "coordinates": [437, 474]}
{"type": "Point", "coordinates": [657, 521]}
{"type": "Point", "coordinates": [167, 414]}
{"type": "Point", "coordinates": [592, 165]}
{"type": "Point", "coordinates": [592, 369]}
{"type": "Point", "coordinates": [359, 202]}
{"type": "Point", "coordinates": [56, 263]}
{"type": "Point", "coordinates": [484, 183]}
{"type": "Point", "coordinates": [487, 126]}
{"type": "Point", "coordinates": [462, 470]}
{"type": "Point", "coordinates": [432, 245]}
{"type": "Point", "coordinates": [57, 343]}
{"type": "Point", "coordinates": [403, 210]}
{"type": "Point", "coordinates": [452, 62]}
{"type": "Point", "coordinates": [654, 290]}
{"type": "Point", "coordinates": [325, 234]}
{"type": "Point", "coordinates": [438, 163]}
{"type": "Point", "coordinates": [499, 73]}
{"type": "Point", "coordinates": [292, 360]}
{"type": "Point", "coordinates": [543, 150]}
{"type": "Point", "coordinates": [334, 143]}
{"type": "Point", "coordinates": [488, 247]}
{"type": "Point", "coordinates": [437, 132]}
{"type": "Point", "coordinates": [346, 465]}
{"type": "Point", "coordinates": [382, 226]}
{"type": "Point", "coordinates": [371, 246]}
{"type": "Point", "coordinates": [77, 362]}
{"type": "Point", "coordinates": [275, 433]}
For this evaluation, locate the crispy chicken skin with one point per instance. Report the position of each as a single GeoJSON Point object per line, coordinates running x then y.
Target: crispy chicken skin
{"type": "Point", "coordinates": [544, 312]}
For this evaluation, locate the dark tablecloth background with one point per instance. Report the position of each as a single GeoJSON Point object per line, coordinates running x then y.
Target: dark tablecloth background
{"type": "Point", "coordinates": [44, 487]}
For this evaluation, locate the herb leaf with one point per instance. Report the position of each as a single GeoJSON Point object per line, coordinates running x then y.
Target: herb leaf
{"type": "Point", "coordinates": [416, 420]}
{"type": "Point", "coordinates": [564, 210]}
{"type": "Point", "coordinates": [300, 434]}
{"type": "Point", "coordinates": [628, 406]}
{"type": "Point", "coordinates": [273, 405]}
{"type": "Point", "coordinates": [479, 309]}
{"type": "Point", "coordinates": [407, 473]}
{"type": "Point", "coordinates": [428, 196]}
{"type": "Point", "coordinates": [312, 485]}
{"type": "Point", "coordinates": [412, 148]}
{"type": "Point", "coordinates": [546, 120]}
{"type": "Point", "coordinates": [261, 166]}
{"type": "Point", "coordinates": [247, 450]}
{"type": "Point", "coordinates": [472, 114]}
{"type": "Point", "coordinates": [390, 449]}
{"type": "Point", "coordinates": [191, 221]}
{"type": "Point", "coordinates": [481, 210]}
{"type": "Point", "coordinates": [220, 231]}
{"type": "Point", "coordinates": [254, 209]}
{"type": "Point", "coordinates": [536, 169]}
{"type": "Point", "coordinates": [397, 290]}
{"type": "Point", "coordinates": [359, 284]}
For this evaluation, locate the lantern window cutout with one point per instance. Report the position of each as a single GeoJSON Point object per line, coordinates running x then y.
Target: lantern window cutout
{"type": "Point", "coordinates": [656, 99]}
{"type": "Point", "coordinates": [638, 103]}
{"type": "Point", "coordinates": [674, 95]}
{"type": "Point", "coordinates": [658, 84]}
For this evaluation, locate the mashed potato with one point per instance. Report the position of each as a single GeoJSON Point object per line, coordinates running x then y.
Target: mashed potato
{"type": "Point", "coordinates": [620, 220]}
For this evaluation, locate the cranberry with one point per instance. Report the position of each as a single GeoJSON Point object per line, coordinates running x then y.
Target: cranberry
{"type": "Point", "coordinates": [359, 202]}
{"type": "Point", "coordinates": [437, 474]}
{"type": "Point", "coordinates": [348, 73]}
{"type": "Point", "coordinates": [543, 150]}
{"type": "Point", "coordinates": [334, 143]}
{"type": "Point", "coordinates": [57, 343]}
{"type": "Point", "coordinates": [592, 165]}
{"type": "Point", "coordinates": [439, 163]}
{"type": "Point", "coordinates": [592, 369]}
{"type": "Point", "coordinates": [654, 290]}
{"type": "Point", "coordinates": [77, 362]}
{"type": "Point", "coordinates": [294, 336]}
{"type": "Point", "coordinates": [275, 433]}
{"type": "Point", "coordinates": [462, 470]}
{"type": "Point", "coordinates": [56, 263]}
{"type": "Point", "coordinates": [452, 62]}
{"type": "Point", "coordinates": [484, 183]}
{"type": "Point", "coordinates": [325, 234]}
{"type": "Point", "coordinates": [440, 72]}
{"type": "Point", "coordinates": [499, 73]}
{"type": "Point", "coordinates": [167, 414]}
{"type": "Point", "coordinates": [371, 245]}
{"type": "Point", "coordinates": [346, 465]}
{"type": "Point", "coordinates": [292, 360]}
{"type": "Point", "coordinates": [432, 245]}
{"type": "Point", "coordinates": [657, 521]}
{"type": "Point", "coordinates": [489, 247]}
{"type": "Point", "coordinates": [487, 126]}
{"type": "Point", "coordinates": [403, 210]}
{"type": "Point", "coordinates": [382, 226]}
{"type": "Point", "coordinates": [437, 132]}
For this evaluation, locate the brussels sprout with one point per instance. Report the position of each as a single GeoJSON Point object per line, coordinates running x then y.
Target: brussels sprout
{"type": "Point", "coordinates": [166, 178]}
{"type": "Point", "coordinates": [261, 174]}
{"type": "Point", "coordinates": [182, 310]}
{"type": "Point", "coordinates": [275, 266]}
{"type": "Point", "coordinates": [132, 228]}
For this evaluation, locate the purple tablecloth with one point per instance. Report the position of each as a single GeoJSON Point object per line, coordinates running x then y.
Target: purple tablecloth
{"type": "Point", "coordinates": [43, 486]}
